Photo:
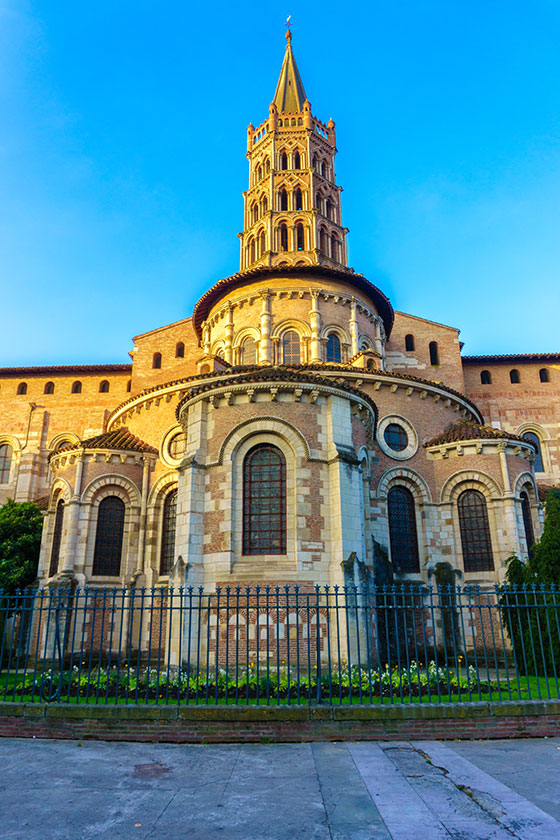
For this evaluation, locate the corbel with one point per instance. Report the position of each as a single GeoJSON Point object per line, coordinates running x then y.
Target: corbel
{"type": "Point", "coordinates": [423, 395]}
{"type": "Point", "coordinates": [273, 393]}
{"type": "Point", "coordinates": [251, 394]}
{"type": "Point", "coordinates": [297, 394]}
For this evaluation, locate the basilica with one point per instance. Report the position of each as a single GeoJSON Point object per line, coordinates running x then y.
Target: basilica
{"type": "Point", "coordinates": [295, 429]}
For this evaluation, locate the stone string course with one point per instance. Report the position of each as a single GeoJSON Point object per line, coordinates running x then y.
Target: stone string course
{"type": "Point", "coordinates": [252, 724]}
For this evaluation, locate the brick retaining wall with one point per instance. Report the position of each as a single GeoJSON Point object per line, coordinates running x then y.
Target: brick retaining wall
{"type": "Point", "coordinates": [191, 724]}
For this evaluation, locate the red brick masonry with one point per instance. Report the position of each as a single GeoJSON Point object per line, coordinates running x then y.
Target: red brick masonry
{"type": "Point", "coordinates": [191, 724]}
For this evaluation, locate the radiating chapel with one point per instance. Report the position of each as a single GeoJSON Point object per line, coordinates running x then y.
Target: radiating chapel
{"type": "Point", "coordinates": [295, 429]}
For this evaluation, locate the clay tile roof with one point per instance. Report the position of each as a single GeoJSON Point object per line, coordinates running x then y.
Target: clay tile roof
{"type": "Point", "coordinates": [465, 430]}
{"type": "Point", "coordinates": [46, 370]}
{"type": "Point", "coordinates": [117, 439]}
{"type": "Point", "coordinates": [513, 357]}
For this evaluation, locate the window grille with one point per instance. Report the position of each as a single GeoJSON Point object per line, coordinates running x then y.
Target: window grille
{"type": "Point", "coordinates": [334, 350]}
{"type": "Point", "coordinates": [178, 445]}
{"type": "Point", "coordinates": [538, 463]}
{"type": "Point", "coordinates": [5, 462]}
{"type": "Point", "coordinates": [403, 535]}
{"type": "Point", "coordinates": [475, 532]}
{"type": "Point", "coordinates": [168, 529]}
{"type": "Point", "coordinates": [248, 352]}
{"type": "Point", "coordinates": [527, 520]}
{"type": "Point", "coordinates": [57, 538]}
{"type": "Point", "coordinates": [290, 348]}
{"type": "Point", "coordinates": [109, 537]}
{"type": "Point", "coordinates": [264, 501]}
{"type": "Point", "coordinates": [396, 437]}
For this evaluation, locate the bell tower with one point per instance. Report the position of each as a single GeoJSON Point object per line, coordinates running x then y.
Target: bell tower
{"type": "Point", "coordinates": [292, 206]}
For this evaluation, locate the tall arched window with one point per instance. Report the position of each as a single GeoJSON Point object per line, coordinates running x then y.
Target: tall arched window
{"type": "Point", "coordinates": [262, 245]}
{"type": "Point", "coordinates": [264, 501]}
{"type": "Point", "coordinates": [283, 161]}
{"type": "Point", "coordinates": [168, 527]}
{"type": "Point", "coordinates": [297, 160]}
{"type": "Point", "coordinates": [109, 537]}
{"type": "Point", "coordinates": [475, 532]}
{"type": "Point", "coordinates": [264, 205]}
{"type": "Point", "coordinates": [323, 241]}
{"type": "Point", "coordinates": [514, 377]}
{"type": "Point", "coordinates": [485, 377]}
{"type": "Point", "coordinates": [434, 353]}
{"type": "Point", "coordinates": [544, 375]}
{"type": "Point", "coordinates": [527, 519]}
{"type": "Point", "coordinates": [156, 361]}
{"type": "Point", "coordinates": [334, 247]}
{"type": "Point", "coordinates": [298, 200]}
{"type": "Point", "coordinates": [319, 202]}
{"type": "Point", "coordinates": [300, 237]}
{"type": "Point", "coordinates": [334, 349]}
{"type": "Point", "coordinates": [248, 352]}
{"type": "Point", "coordinates": [104, 386]}
{"type": "Point", "coordinates": [49, 388]}
{"type": "Point", "coordinates": [129, 386]}
{"type": "Point", "coordinates": [283, 200]}
{"type": "Point", "coordinates": [290, 348]}
{"type": "Point", "coordinates": [283, 231]}
{"type": "Point", "coordinates": [5, 462]}
{"type": "Point", "coordinates": [409, 342]}
{"type": "Point", "coordinates": [77, 387]}
{"type": "Point", "coordinates": [22, 388]}
{"type": "Point", "coordinates": [254, 213]}
{"type": "Point", "coordinates": [329, 209]}
{"type": "Point", "coordinates": [403, 535]}
{"type": "Point", "coordinates": [57, 537]}
{"type": "Point", "coordinates": [538, 463]}
{"type": "Point", "coordinates": [179, 350]}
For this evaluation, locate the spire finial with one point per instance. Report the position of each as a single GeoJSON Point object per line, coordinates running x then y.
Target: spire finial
{"type": "Point", "coordinates": [288, 30]}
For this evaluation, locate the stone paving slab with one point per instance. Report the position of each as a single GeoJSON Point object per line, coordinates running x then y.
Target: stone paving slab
{"type": "Point", "coordinates": [63, 790]}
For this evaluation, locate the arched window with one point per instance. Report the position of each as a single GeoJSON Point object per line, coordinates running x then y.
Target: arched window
{"type": "Point", "coordinates": [334, 349]}
{"type": "Point", "coordinates": [323, 241]}
{"type": "Point", "coordinates": [264, 205]}
{"type": "Point", "coordinates": [319, 202]}
{"type": "Point", "coordinates": [324, 169]}
{"type": "Point", "coordinates": [527, 520]}
{"type": "Point", "coordinates": [403, 535]}
{"type": "Point", "coordinates": [290, 348]}
{"type": "Point", "coordinates": [297, 160]}
{"type": "Point", "coordinates": [283, 161]}
{"type": "Point", "coordinates": [334, 247]}
{"type": "Point", "coordinates": [156, 361]}
{"type": "Point", "coordinates": [180, 350]}
{"type": "Point", "coordinates": [259, 172]}
{"type": "Point", "coordinates": [248, 352]}
{"type": "Point", "coordinates": [109, 537]}
{"type": "Point", "coordinates": [329, 209]}
{"type": "Point", "coordinates": [168, 527]}
{"type": "Point", "coordinates": [475, 532]}
{"type": "Point", "coordinates": [409, 342]}
{"type": "Point", "coordinates": [267, 165]}
{"type": "Point", "coordinates": [252, 252]}
{"type": "Point", "coordinates": [485, 377]}
{"type": "Point", "coordinates": [314, 162]}
{"type": "Point", "coordinates": [49, 388]}
{"type": "Point", "coordinates": [300, 237]}
{"type": "Point", "coordinates": [283, 230]}
{"type": "Point", "coordinates": [538, 463]}
{"type": "Point", "coordinates": [254, 213]}
{"type": "Point", "coordinates": [261, 243]}
{"type": "Point", "coordinates": [77, 387]}
{"type": "Point", "coordinates": [544, 375]}
{"type": "Point", "coordinates": [22, 388]}
{"type": "Point", "coordinates": [129, 386]}
{"type": "Point", "coordinates": [5, 462]}
{"type": "Point", "coordinates": [57, 537]}
{"type": "Point", "coordinates": [298, 200]}
{"type": "Point", "coordinates": [104, 386]}
{"type": "Point", "coordinates": [283, 196]}
{"type": "Point", "coordinates": [434, 353]}
{"type": "Point", "coordinates": [514, 377]}
{"type": "Point", "coordinates": [264, 501]}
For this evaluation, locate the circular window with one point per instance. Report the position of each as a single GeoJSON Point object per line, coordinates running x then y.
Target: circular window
{"type": "Point", "coordinates": [177, 445]}
{"type": "Point", "coordinates": [396, 437]}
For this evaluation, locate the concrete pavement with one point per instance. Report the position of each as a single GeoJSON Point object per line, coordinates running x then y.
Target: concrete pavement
{"type": "Point", "coordinates": [482, 790]}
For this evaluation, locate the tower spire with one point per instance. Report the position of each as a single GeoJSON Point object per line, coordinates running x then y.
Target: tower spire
{"type": "Point", "coordinates": [290, 93]}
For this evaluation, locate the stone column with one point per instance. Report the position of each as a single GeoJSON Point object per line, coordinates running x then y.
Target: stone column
{"type": "Point", "coordinates": [265, 348]}
{"type": "Point", "coordinates": [73, 513]}
{"type": "Point", "coordinates": [228, 349]}
{"type": "Point", "coordinates": [354, 334]}
{"type": "Point", "coordinates": [143, 517]}
{"type": "Point", "coordinates": [206, 338]}
{"type": "Point", "coordinates": [315, 322]}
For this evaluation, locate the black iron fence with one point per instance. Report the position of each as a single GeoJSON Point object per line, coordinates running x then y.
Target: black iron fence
{"type": "Point", "coordinates": [279, 645]}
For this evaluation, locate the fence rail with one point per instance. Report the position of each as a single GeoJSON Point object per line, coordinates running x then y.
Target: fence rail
{"type": "Point", "coordinates": [279, 645]}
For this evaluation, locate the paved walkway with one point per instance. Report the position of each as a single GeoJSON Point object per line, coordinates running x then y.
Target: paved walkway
{"type": "Point", "coordinates": [483, 790]}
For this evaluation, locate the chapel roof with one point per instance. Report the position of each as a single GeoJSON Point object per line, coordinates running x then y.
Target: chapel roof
{"type": "Point", "coordinates": [61, 369]}
{"type": "Point", "coordinates": [290, 94]}
{"type": "Point", "coordinates": [116, 439]}
{"type": "Point", "coordinates": [243, 278]}
{"type": "Point", "coordinates": [513, 357]}
{"type": "Point", "coordinates": [466, 430]}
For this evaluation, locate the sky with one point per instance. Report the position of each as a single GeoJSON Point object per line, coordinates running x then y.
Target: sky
{"type": "Point", "coordinates": [122, 160]}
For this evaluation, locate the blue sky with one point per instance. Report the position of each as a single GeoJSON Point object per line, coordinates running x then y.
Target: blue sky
{"type": "Point", "coordinates": [122, 143]}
